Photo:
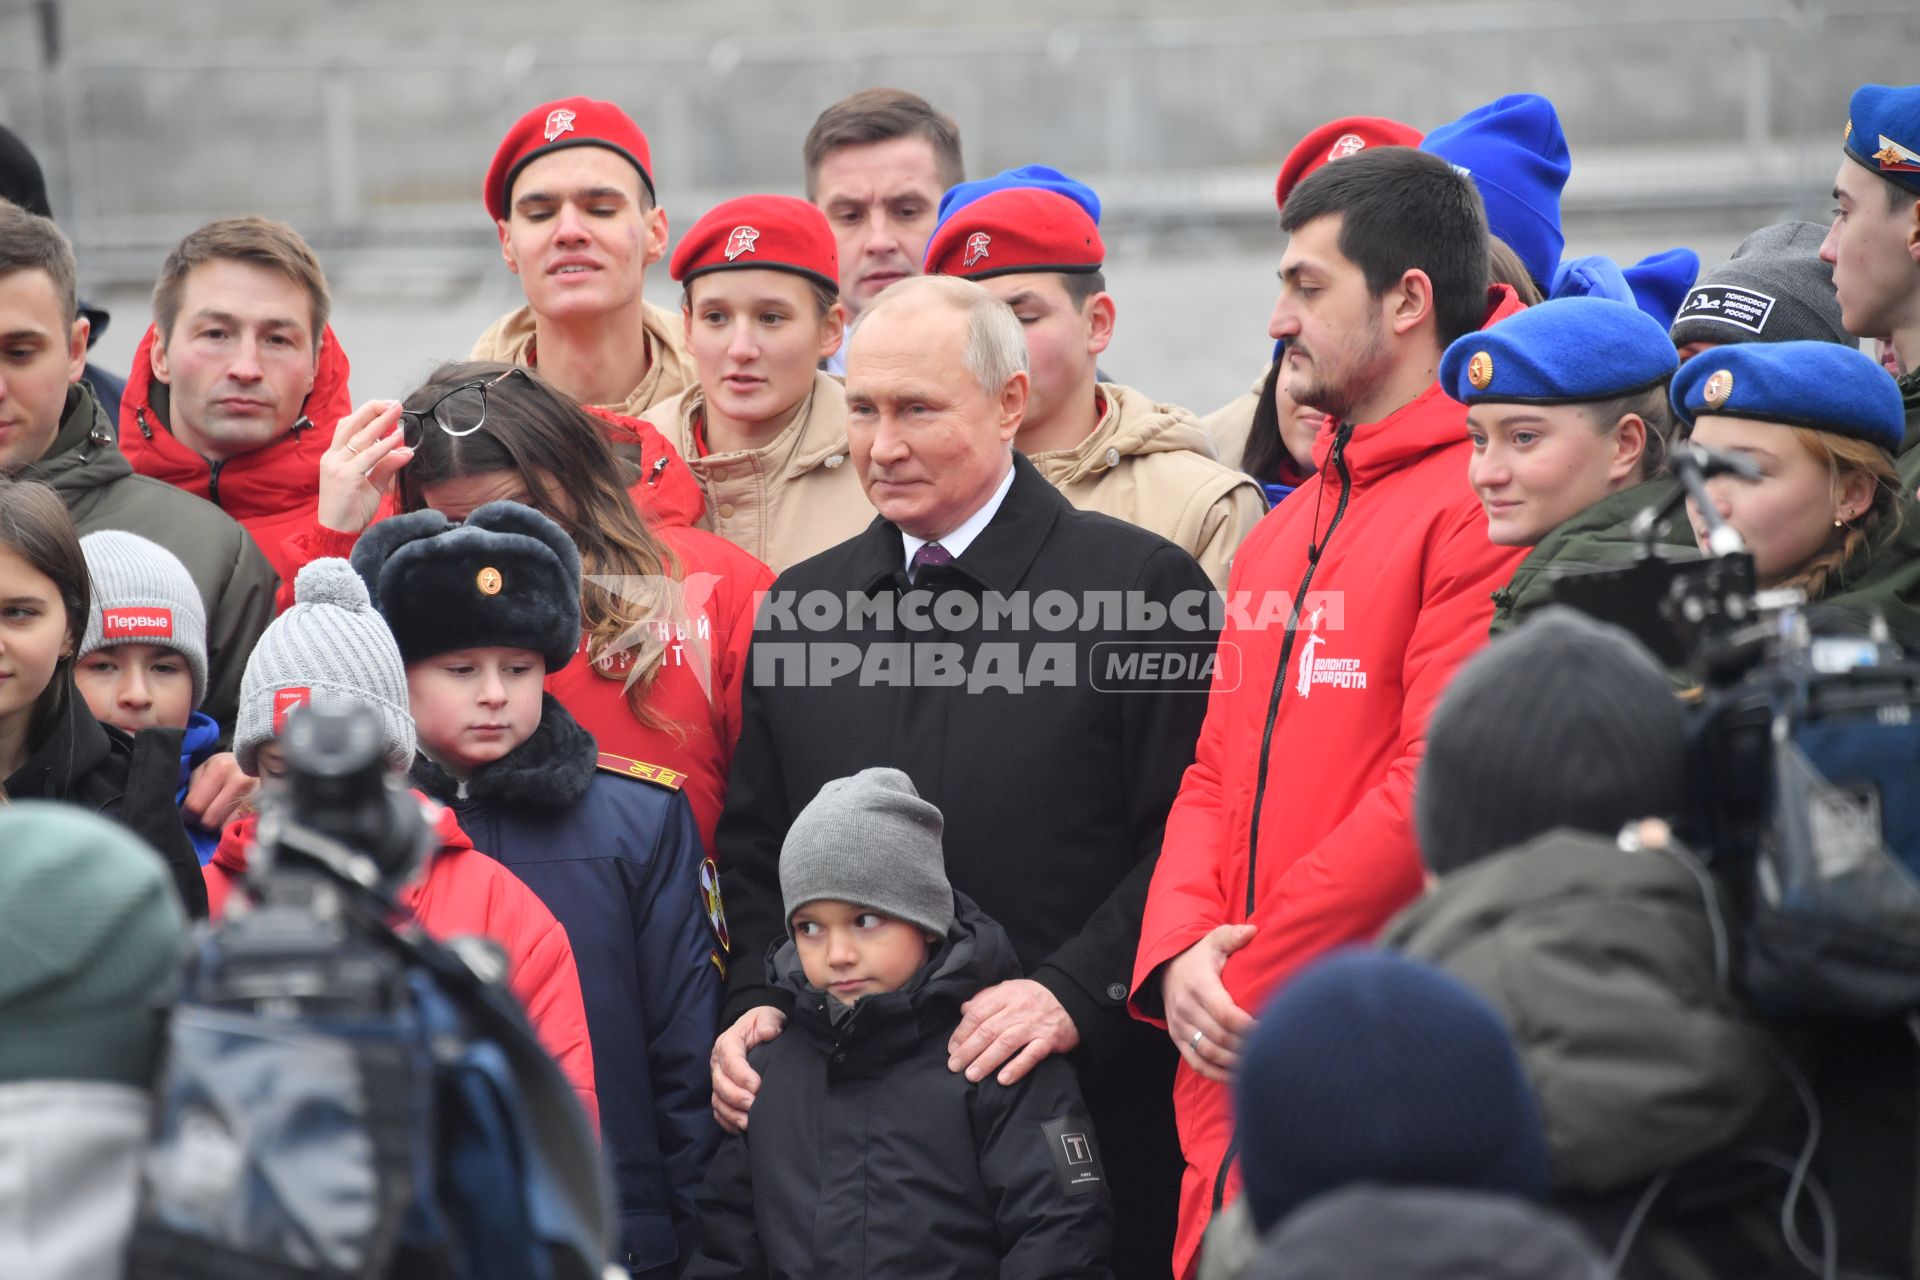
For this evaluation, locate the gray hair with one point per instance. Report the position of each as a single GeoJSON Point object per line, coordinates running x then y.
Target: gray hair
{"type": "Point", "coordinates": [996, 347]}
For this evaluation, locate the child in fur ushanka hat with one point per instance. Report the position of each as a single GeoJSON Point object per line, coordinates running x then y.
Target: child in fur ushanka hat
{"type": "Point", "coordinates": [483, 611]}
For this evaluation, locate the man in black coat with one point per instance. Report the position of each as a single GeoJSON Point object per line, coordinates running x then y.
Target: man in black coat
{"type": "Point", "coordinates": [1037, 671]}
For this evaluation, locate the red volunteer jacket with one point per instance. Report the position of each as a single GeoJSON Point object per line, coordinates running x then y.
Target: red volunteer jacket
{"type": "Point", "coordinates": [1311, 837]}
{"type": "Point", "coordinates": [464, 892]}
{"type": "Point", "coordinates": [698, 685]}
{"type": "Point", "coordinates": [274, 490]}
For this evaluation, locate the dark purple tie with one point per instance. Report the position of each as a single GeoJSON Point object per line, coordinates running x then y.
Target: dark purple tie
{"type": "Point", "coordinates": [932, 554]}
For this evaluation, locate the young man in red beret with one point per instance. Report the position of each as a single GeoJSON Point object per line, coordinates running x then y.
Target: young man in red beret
{"type": "Point", "coordinates": [1232, 423]}
{"type": "Point", "coordinates": [1106, 447]}
{"type": "Point", "coordinates": [571, 190]}
{"type": "Point", "coordinates": [764, 430]}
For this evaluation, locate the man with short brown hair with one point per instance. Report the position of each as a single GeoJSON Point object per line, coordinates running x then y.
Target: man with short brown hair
{"type": "Point", "coordinates": [52, 429]}
{"type": "Point", "coordinates": [877, 163]}
{"type": "Point", "coordinates": [236, 371]}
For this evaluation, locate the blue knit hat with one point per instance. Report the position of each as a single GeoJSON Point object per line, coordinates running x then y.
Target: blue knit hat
{"type": "Point", "coordinates": [1657, 284]}
{"type": "Point", "coordinates": [1027, 175]}
{"type": "Point", "coordinates": [1370, 1067]}
{"type": "Point", "coordinates": [1516, 154]}
{"type": "Point", "coordinates": [1883, 132]}
{"type": "Point", "coordinates": [1568, 351]}
{"type": "Point", "coordinates": [1821, 385]}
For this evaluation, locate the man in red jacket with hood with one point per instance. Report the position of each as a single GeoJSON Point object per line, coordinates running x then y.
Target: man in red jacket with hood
{"type": "Point", "coordinates": [234, 375]}
{"type": "Point", "coordinates": [1292, 833]}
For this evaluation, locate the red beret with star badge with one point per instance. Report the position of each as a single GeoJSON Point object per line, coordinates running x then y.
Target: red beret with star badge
{"type": "Point", "coordinates": [1017, 229]}
{"type": "Point", "coordinates": [774, 233]}
{"type": "Point", "coordinates": [1335, 139]}
{"type": "Point", "coordinates": [551, 126]}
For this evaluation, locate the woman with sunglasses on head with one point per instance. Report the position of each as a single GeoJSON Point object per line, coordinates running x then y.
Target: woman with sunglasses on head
{"type": "Point", "coordinates": [667, 611]}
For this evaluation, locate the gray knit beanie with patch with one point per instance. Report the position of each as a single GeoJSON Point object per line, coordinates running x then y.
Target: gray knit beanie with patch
{"type": "Point", "coordinates": [329, 649]}
{"type": "Point", "coordinates": [1773, 289]}
{"type": "Point", "coordinates": [142, 594]}
{"type": "Point", "coordinates": [870, 840]}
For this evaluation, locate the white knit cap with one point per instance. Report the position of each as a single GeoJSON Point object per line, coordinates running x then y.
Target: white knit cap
{"type": "Point", "coordinates": [142, 594]}
{"type": "Point", "coordinates": [329, 650]}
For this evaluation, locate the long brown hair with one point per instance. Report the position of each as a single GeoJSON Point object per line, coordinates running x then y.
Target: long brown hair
{"type": "Point", "coordinates": [573, 477]}
{"type": "Point", "coordinates": [1872, 528]}
{"type": "Point", "coordinates": [35, 526]}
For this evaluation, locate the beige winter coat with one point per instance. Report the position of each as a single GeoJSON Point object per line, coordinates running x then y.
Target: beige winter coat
{"type": "Point", "coordinates": [1230, 425]}
{"type": "Point", "coordinates": [793, 497]}
{"type": "Point", "coordinates": [1152, 465]}
{"type": "Point", "coordinates": [510, 340]}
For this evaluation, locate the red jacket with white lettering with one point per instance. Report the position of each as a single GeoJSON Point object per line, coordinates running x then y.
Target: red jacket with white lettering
{"type": "Point", "coordinates": [272, 491]}
{"type": "Point", "coordinates": [465, 892]}
{"type": "Point", "coordinates": [1310, 836]}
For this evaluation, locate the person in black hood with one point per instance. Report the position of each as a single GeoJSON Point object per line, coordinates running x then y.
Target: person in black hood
{"type": "Point", "coordinates": [867, 1156]}
{"type": "Point", "coordinates": [51, 747]}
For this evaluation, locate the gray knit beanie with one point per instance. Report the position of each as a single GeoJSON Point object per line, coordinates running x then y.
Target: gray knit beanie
{"type": "Point", "coordinates": [329, 649]}
{"type": "Point", "coordinates": [142, 594]}
{"type": "Point", "coordinates": [872, 841]}
{"type": "Point", "coordinates": [1773, 289]}
{"type": "Point", "coordinates": [1564, 722]}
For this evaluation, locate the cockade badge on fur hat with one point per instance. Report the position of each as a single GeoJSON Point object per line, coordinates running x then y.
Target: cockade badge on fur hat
{"type": "Point", "coordinates": [507, 577]}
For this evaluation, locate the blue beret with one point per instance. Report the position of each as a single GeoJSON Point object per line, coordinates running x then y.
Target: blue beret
{"type": "Point", "coordinates": [1027, 175]}
{"type": "Point", "coordinates": [1515, 152]}
{"type": "Point", "coordinates": [1657, 284]}
{"type": "Point", "coordinates": [1883, 132]}
{"type": "Point", "coordinates": [1822, 385]}
{"type": "Point", "coordinates": [1568, 351]}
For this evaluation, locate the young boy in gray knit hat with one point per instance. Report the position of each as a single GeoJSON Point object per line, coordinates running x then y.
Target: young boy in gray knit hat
{"type": "Point", "coordinates": [142, 664]}
{"type": "Point", "coordinates": [331, 649]}
{"type": "Point", "coordinates": [865, 1155]}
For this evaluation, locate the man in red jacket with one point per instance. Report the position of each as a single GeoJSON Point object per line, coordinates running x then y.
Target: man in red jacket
{"type": "Point", "coordinates": [1292, 833]}
{"type": "Point", "coordinates": [234, 375]}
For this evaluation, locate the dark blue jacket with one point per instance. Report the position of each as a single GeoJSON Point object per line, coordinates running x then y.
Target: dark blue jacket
{"type": "Point", "coordinates": [620, 864]}
{"type": "Point", "coordinates": [200, 742]}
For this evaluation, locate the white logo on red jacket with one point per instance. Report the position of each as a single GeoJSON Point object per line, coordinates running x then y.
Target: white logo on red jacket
{"type": "Point", "coordinates": [1340, 673]}
{"type": "Point", "coordinates": [559, 121]}
{"type": "Point", "coordinates": [1346, 144]}
{"type": "Point", "coordinates": [741, 241]}
{"type": "Point", "coordinates": [976, 247]}
{"type": "Point", "coordinates": [136, 621]}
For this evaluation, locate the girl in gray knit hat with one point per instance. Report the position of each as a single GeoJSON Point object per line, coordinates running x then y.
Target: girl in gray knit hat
{"type": "Point", "coordinates": [863, 1146]}
{"type": "Point", "coordinates": [143, 662]}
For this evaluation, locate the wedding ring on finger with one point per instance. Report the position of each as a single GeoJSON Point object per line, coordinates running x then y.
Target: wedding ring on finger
{"type": "Point", "coordinates": [1198, 1036]}
{"type": "Point", "coordinates": [350, 449]}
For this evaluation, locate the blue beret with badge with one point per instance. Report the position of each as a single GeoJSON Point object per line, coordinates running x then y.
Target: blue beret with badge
{"type": "Point", "coordinates": [1568, 351]}
{"type": "Point", "coordinates": [1883, 132]}
{"type": "Point", "coordinates": [1027, 175]}
{"type": "Point", "coordinates": [1821, 385]}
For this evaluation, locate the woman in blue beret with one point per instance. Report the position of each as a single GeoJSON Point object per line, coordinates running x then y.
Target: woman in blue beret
{"type": "Point", "coordinates": [1567, 412]}
{"type": "Point", "coordinates": [1828, 516]}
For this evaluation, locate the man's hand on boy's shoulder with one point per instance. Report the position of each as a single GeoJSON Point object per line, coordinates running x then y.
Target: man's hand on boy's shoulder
{"type": "Point", "coordinates": [1018, 1022]}
{"type": "Point", "coordinates": [735, 1082]}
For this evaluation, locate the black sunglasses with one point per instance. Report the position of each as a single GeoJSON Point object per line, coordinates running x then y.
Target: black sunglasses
{"type": "Point", "coordinates": [460, 412]}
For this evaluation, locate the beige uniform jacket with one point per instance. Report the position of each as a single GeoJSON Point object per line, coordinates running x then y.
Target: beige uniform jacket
{"type": "Point", "coordinates": [1153, 466]}
{"type": "Point", "coordinates": [510, 340]}
{"type": "Point", "coordinates": [793, 497]}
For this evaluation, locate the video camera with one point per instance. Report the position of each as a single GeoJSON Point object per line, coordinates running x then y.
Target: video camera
{"type": "Point", "coordinates": [340, 1094]}
{"type": "Point", "coordinates": [1804, 757]}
